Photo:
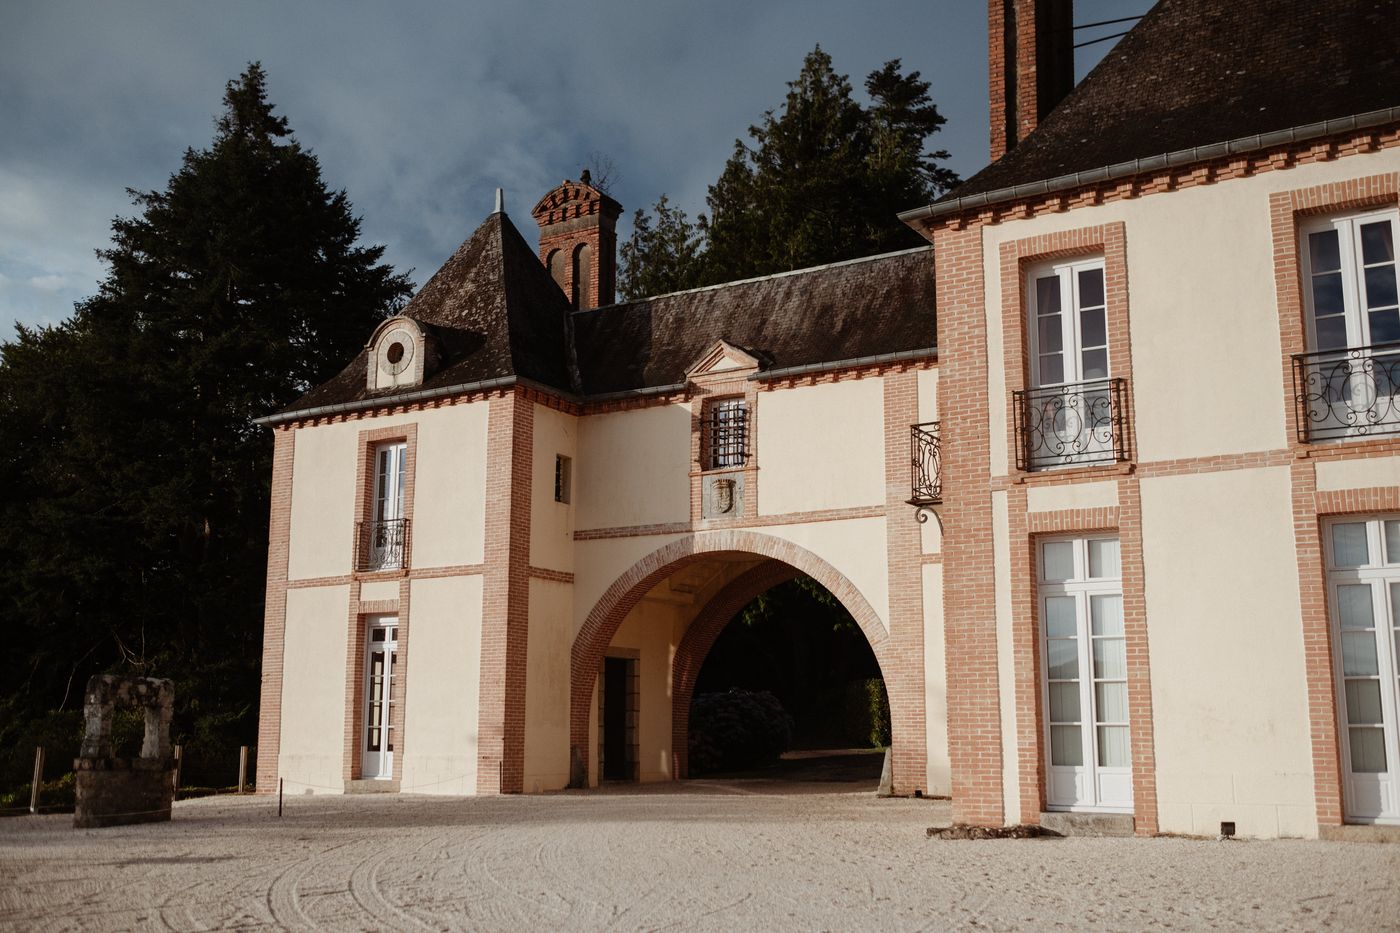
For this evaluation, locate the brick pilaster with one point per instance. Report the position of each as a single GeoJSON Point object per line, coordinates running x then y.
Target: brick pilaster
{"type": "Point", "coordinates": [506, 597]}
{"type": "Point", "coordinates": [969, 595]}
{"type": "Point", "coordinates": [275, 611]}
{"type": "Point", "coordinates": [904, 671]}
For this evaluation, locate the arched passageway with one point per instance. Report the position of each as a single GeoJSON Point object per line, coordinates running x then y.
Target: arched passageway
{"type": "Point", "coordinates": [726, 570]}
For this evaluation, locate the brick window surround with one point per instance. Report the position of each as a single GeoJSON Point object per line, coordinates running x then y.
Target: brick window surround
{"type": "Point", "coordinates": [1311, 507]}
{"type": "Point", "coordinates": [1106, 240]}
{"type": "Point", "coordinates": [704, 390]}
{"type": "Point", "coordinates": [366, 443]}
{"type": "Point", "coordinates": [1026, 531]}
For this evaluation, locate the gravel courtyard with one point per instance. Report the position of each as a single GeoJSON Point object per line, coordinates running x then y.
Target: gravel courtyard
{"type": "Point", "coordinates": [709, 855]}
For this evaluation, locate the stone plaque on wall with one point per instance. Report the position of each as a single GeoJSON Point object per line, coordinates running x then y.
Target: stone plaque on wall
{"type": "Point", "coordinates": [722, 495]}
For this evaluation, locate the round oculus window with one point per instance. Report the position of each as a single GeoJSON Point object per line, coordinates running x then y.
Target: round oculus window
{"type": "Point", "coordinates": [397, 352]}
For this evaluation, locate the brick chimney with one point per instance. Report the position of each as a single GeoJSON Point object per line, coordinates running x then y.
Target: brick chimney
{"type": "Point", "coordinates": [1031, 57]}
{"type": "Point", "coordinates": [578, 241]}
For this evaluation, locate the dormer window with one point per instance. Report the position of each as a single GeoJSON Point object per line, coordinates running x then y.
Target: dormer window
{"type": "Point", "coordinates": [397, 355]}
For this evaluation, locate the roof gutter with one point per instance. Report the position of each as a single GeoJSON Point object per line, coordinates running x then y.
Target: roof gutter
{"type": "Point", "coordinates": [1238, 146]}
{"type": "Point", "coordinates": [422, 395]}
{"type": "Point", "coordinates": [813, 368]}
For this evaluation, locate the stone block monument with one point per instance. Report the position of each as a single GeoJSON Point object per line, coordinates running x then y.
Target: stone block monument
{"type": "Point", "coordinates": [114, 791]}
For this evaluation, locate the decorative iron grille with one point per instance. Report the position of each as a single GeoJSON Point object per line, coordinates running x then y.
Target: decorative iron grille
{"type": "Point", "coordinates": [382, 545]}
{"type": "Point", "coordinates": [926, 463]}
{"type": "Point", "coordinates": [1347, 393]}
{"type": "Point", "coordinates": [727, 434]}
{"type": "Point", "coordinates": [1070, 425]}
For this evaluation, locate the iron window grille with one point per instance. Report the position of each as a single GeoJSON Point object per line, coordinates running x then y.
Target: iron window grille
{"type": "Point", "coordinates": [1071, 425]}
{"type": "Point", "coordinates": [1347, 393]}
{"type": "Point", "coordinates": [926, 464]}
{"type": "Point", "coordinates": [381, 545]}
{"type": "Point", "coordinates": [727, 434]}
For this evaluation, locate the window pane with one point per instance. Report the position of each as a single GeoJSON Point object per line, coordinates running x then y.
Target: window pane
{"type": "Point", "coordinates": [1095, 364]}
{"type": "Point", "coordinates": [1324, 249]}
{"type": "Point", "coordinates": [1103, 558]}
{"type": "Point", "coordinates": [1359, 654]}
{"type": "Point", "coordinates": [1052, 338]}
{"type": "Point", "coordinates": [1052, 370]}
{"type": "Point", "coordinates": [1380, 287]}
{"type": "Point", "coordinates": [1110, 658]}
{"type": "Point", "coordinates": [1064, 659]}
{"type": "Point", "coordinates": [1349, 545]}
{"type": "Point", "coordinates": [1392, 542]}
{"type": "Point", "coordinates": [1364, 702]}
{"type": "Point", "coordinates": [1377, 244]}
{"type": "Point", "coordinates": [1385, 328]}
{"type": "Point", "coordinates": [1113, 747]}
{"type": "Point", "coordinates": [1059, 617]}
{"type": "Point", "coordinates": [1367, 751]}
{"type": "Point", "coordinates": [1090, 288]}
{"type": "Point", "coordinates": [1111, 702]}
{"type": "Point", "coordinates": [1327, 294]}
{"type": "Point", "coordinates": [1331, 333]}
{"type": "Point", "coordinates": [1057, 560]}
{"type": "Point", "coordinates": [1354, 606]}
{"type": "Point", "coordinates": [1064, 702]}
{"type": "Point", "coordinates": [1047, 295]}
{"type": "Point", "coordinates": [1106, 614]}
{"type": "Point", "coordinates": [1092, 331]}
{"type": "Point", "coordinates": [1065, 746]}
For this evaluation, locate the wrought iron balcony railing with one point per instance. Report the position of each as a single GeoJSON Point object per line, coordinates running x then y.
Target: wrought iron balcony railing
{"type": "Point", "coordinates": [1347, 393]}
{"type": "Point", "coordinates": [381, 545]}
{"type": "Point", "coordinates": [926, 464]}
{"type": "Point", "coordinates": [1071, 425]}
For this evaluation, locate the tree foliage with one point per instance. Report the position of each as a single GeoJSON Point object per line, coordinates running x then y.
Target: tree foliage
{"type": "Point", "coordinates": [134, 526]}
{"type": "Point", "coordinates": [821, 180]}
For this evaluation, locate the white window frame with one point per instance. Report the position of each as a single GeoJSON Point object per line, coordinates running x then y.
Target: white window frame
{"type": "Point", "coordinates": [1350, 390]}
{"type": "Point", "coordinates": [1088, 786]}
{"type": "Point", "coordinates": [1368, 797]}
{"type": "Point", "coordinates": [1071, 315]}
{"type": "Point", "coordinates": [387, 536]}
{"type": "Point", "coordinates": [378, 763]}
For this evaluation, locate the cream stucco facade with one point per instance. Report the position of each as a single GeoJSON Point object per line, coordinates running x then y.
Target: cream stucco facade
{"type": "Point", "coordinates": [1081, 514]}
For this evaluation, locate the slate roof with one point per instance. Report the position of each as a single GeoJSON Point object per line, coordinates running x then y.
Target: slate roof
{"type": "Point", "coordinates": [494, 312]}
{"type": "Point", "coordinates": [1198, 72]}
{"type": "Point", "coordinates": [844, 311]}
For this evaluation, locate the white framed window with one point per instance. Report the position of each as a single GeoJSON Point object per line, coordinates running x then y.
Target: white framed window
{"type": "Point", "coordinates": [1350, 378]}
{"type": "Point", "coordinates": [1084, 675]}
{"type": "Point", "coordinates": [1363, 594]}
{"type": "Point", "coordinates": [381, 657]}
{"type": "Point", "coordinates": [726, 433]}
{"type": "Point", "coordinates": [1068, 414]}
{"type": "Point", "coordinates": [1068, 323]}
{"type": "Point", "coordinates": [388, 531]}
{"type": "Point", "coordinates": [563, 478]}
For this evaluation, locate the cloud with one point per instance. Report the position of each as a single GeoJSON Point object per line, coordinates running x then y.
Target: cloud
{"type": "Point", "coordinates": [421, 109]}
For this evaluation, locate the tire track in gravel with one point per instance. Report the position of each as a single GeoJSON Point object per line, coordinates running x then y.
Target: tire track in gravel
{"type": "Point", "coordinates": [367, 893]}
{"type": "Point", "coordinates": [283, 901]}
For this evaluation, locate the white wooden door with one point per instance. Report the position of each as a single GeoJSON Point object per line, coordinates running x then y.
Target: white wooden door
{"type": "Point", "coordinates": [1363, 556]}
{"type": "Point", "coordinates": [1084, 676]}
{"type": "Point", "coordinates": [381, 654]}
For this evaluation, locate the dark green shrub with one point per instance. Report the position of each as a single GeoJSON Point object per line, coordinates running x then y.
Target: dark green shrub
{"type": "Point", "coordinates": [737, 730]}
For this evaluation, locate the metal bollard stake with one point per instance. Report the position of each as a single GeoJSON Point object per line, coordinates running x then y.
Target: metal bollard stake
{"type": "Point", "coordinates": [242, 766]}
{"type": "Point", "coordinates": [179, 760]}
{"type": "Point", "coordinates": [38, 779]}
{"type": "Point", "coordinates": [279, 797]}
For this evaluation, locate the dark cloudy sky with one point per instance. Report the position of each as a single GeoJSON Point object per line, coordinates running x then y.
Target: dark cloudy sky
{"type": "Point", "coordinates": [420, 109]}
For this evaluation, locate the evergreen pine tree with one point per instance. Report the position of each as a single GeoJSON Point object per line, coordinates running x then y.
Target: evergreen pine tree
{"type": "Point", "coordinates": [661, 258]}
{"type": "Point", "coordinates": [134, 532]}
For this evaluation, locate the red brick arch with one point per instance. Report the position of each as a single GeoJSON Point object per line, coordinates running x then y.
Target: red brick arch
{"type": "Point", "coordinates": [627, 590]}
